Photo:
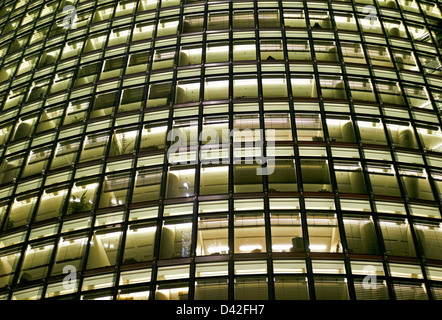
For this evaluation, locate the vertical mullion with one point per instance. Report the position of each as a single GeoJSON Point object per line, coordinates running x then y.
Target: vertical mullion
{"type": "Point", "coordinates": [321, 104]}
{"type": "Point", "coordinates": [264, 165]}
{"type": "Point", "coordinates": [102, 177]}
{"type": "Point", "coordinates": [375, 215]}
{"type": "Point", "coordinates": [73, 66]}
{"type": "Point", "coordinates": [143, 111]}
{"type": "Point", "coordinates": [417, 245]}
{"type": "Point", "coordinates": [8, 141]}
{"type": "Point", "coordinates": [424, 156]}
{"type": "Point", "coordinates": [159, 228]}
{"type": "Point", "coordinates": [376, 222]}
{"type": "Point", "coordinates": [133, 171]}
{"type": "Point", "coordinates": [393, 151]}
{"type": "Point", "coordinates": [63, 212]}
{"type": "Point", "coordinates": [304, 225]}
{"type": "Point", "coordinates": [231, 224]}
{"type": "Point", "coordinates": [321, 107]}
{"type": "Point", "coordinates": [340, 217]}
{"type": "Point", "coordinates": [32, 215]}
{"type": "Point", "coordinates": [198, 166]}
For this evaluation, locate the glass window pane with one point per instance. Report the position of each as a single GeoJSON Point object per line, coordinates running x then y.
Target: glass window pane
{"type": "Point", "coordinates": [147, 185]}
{"type": "Point", "coordinates": [180, 182]}
{"type": "Point", "coordinates": [139, 245]}
{"type": "Point", "coordinates": [70, 252]}
{"type": "Point", "coordinates": [430, 238]}
{"type": "Point", "coordinates": [331, 288]}
{"type": "Point", "coordinates": [286, 233]}
{"type": "Point", "coordinates": [35, 263]}
{"type": "Point", "coordinates": [211, 289]}
{"type": "Point", "coordinates": [291, 288]}
{"type": "Point", "coordinates": [212, 235]}
{"type": "Point", "coordinates": [175, 240]}
{"type": "Point", "coordinates": [323, 233]}
{"type": "Point", "coordinates": [316, 176]}
{"type": "Point", "coordinates": [254, 288]}
{"type": "Point", "coordinates": [397, 238]}
{"type": "Point", "coordinates": [360, 234]}
{"type": "Point", "coordinates": [249, 233]}
{"type": "Point", "coordinates": [103, 249]}
{"type": "Point", "coordinates": [114, 191]}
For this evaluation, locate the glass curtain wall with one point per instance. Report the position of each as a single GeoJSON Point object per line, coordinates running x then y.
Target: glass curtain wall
{"type": "Point", "coordinates": [166, 149]}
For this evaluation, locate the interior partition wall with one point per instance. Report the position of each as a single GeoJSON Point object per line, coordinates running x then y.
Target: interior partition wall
{"type": "Point", "coordinates": [133, 133]}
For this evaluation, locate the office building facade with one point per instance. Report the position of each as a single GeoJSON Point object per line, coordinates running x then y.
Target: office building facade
{"type": "Point", "coordinates": [242, 149]}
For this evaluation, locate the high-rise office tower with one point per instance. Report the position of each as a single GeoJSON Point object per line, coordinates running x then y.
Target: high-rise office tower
{"type": "Point", "coordinates": [242, 149]}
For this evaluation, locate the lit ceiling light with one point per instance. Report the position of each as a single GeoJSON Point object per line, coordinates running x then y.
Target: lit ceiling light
{"type": "Point", "coordinates": [281, 247]}
{"type": "Point", "coordinates": [211, 250]}
{"type": "Point", "coordinates": [318, 247]}
{"type": "Point", "coordinates": [248, 248]}
{"type": "Point", "coordinates": [176, 276]}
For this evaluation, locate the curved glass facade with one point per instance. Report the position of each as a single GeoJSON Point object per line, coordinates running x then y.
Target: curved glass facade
{"type": "Point", "coordinates": [176, 150]}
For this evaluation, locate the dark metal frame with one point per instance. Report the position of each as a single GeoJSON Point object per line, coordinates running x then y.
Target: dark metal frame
{"type": "Point", "coordinates": [231, 258]}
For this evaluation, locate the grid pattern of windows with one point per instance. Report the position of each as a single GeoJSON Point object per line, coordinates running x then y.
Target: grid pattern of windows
{"type": "Point", "coordinates": [344, 96]}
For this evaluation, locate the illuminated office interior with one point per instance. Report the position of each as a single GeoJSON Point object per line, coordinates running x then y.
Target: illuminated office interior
{"type": "Point", "coordinates": [346, 95]}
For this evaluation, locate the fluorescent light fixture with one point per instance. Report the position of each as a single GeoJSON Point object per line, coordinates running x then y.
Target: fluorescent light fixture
{"type": "Point", "coordinates": [358, 221]}
{"type": "Point", "coordinates": [176, 276]}
{"type": "Point", "coordinates": [347, 167]}
{"type": "Point", "coordinates": [218, 49]}
{"type": "Point", "coordinates": [301, 81]}
{"type": "Point", "coordinates": [216, 169]}
{"type": "Point", "coordinates": [184, 225]}
{"type": "Point", "coordinates": [337, 122]}
{"type": "Point", "coordinates": [367, 124]}
{"type": "Point", "coordinates": [321, 221]}
{"type": "Point", "coordinates": [273, 81]}
{"type": "Point", "coordinates": [281, 247]}
{"type": "Point", "coordinates": [244, 82]}
{"type": "Point", "coordinates": [64, 242]}
{"type": "Point", "coordinates": [404, 274]}
{"type": "Point", "coordinates": [212, 273]}
{"type": "Point", "coordinates": [281, 270]}
{"type": "Point", "coordinates": [144, 230]}
{"type": "Point", "coordinates": [318, 247]}
{"type": "Point", "coordinates": [244, 47]}
{"type": "Point", "coordinates": [211, 250]}
{"type": "Point", "coordinates": [393, 224]}
{"type": "Point", "coordinates": [250, 247]}
{"type": "Point", "coordinates": [136, 294]}
{"type": "Point", "coordinates": [130, 134]}
{"type": "Point", "coordinates": [319, 270]}
{"type": "Point", "coordinates": [251, 271]}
